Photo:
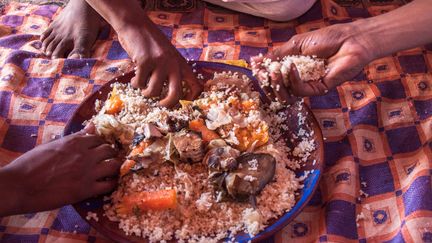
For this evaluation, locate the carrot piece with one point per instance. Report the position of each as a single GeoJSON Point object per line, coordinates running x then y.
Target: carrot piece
{"type": "Point", "coordinates": [139, 148]}
{"type": "Point", "coordinates": [126, 166]}
{"type": "Point", "coordinates": [249, 135]}
{"type": "Point", "coordinates": [115, 105]}
{"type": "Point", "coordinates": [196, 125]}
{"type": "Point", "coordinates": [199, 126]}
{"type": "Point", "coordinates": [248, 105]}
{"type": "Point", "coordinates": [147, 200]}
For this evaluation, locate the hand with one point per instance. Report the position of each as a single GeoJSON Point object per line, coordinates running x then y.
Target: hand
{"type": "Point", "coordinates": [60, 172]}
{"type": "Point", "coordinates": [158, 63]}
{"type": "Point", "coordinates": [347, 51]}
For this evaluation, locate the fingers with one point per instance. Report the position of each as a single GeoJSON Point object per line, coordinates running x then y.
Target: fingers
{"type": "Point", "coordinates": [265, 82]}
{"type": "Point", "coordinates": [155, 83]}
{"type": "Point", "coordinates": [291, 47]}
{"type": "Point", "coordinates": [90, 128]}
{"type": "Point", "coordinates": [89, 140]}
{"type": "Point", "coordinates": [104, 187]}
{"type": "Point", "coordinates": [301, 88]}
{"type": "Point", "coordinates": [142, 74]}
{"type": "Point", "coordinates": [256, 61]}
{"type": "Point", "coordinates": [152, 81]}
{"type": "Point", "coordinates": [103, 152]}
{"type": "Point", "coordinates": [279, 88]}
{"type": "Point", "coordinates": [194, 86]}
{"type": "Point", "coordinates": [335, 76]}
{"type": "Point", "coordinates": [342, 68]}
{"type": "Point", "coordinates": [175, 91]}
{"type": "Point", "coordinates": [108, 168]}
{"type": "Point", "coordinates": [262, 75]}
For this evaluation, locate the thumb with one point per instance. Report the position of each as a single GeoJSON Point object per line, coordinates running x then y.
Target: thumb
{"type": "Point", "coordinates": [341, 70]}
{"type": "Point", "coordinates": [90, 128]}
{"type": "Point", "coordinates": [304, 88]}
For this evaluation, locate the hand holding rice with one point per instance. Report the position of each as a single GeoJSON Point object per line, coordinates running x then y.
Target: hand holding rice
{"type": "Point", "coordinates": [281, 78]}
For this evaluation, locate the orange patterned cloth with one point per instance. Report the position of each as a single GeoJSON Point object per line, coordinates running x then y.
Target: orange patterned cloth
{"type": "Point", "coordinates": [377, 182]}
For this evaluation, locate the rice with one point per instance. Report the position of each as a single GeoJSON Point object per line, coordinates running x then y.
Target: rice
{"type": "Point", "coordinates": [310, 68]}
{"type": "Point", "coordinates": [201, 215]}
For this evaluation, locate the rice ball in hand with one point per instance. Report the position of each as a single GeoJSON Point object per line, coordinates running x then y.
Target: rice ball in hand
{"type": "Point", "coordinates": [282, 79]}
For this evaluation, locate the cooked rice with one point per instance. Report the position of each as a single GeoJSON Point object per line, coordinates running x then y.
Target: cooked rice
{"type": "Point", "coordinates": [310, 68]}
{"type": "Point", "coordinates": [199, 216]}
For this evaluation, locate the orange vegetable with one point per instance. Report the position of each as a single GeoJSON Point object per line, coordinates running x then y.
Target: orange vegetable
{"type": "Point", "coordinates": [199, 126]}
{"type": "Point", "coordinates": [249, 135]}
{"type": "Point", "coordinates": [248, 105]}
{"type": "Point", "coordinates": [205, 106]}
{"type": "Point", "coordinates": [115, 105]}
{"type": "Point", "coordinates": [126, 166]}
{"type": "Point", "coordinates": [142, 201]}
{"type": "Point", "coordinates": [139, 148]}
{"type": "Point", "coordinates": [185, 103]}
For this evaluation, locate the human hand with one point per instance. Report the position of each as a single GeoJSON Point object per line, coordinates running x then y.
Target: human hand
{"type": "Point", "coordinates": [158, 63]}
{"type": "Point", "coordinates": [60, 172]}
{"type": "Point", "coordinates": [347, 51]}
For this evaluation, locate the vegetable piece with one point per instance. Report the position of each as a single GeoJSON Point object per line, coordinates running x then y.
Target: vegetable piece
{"type": "Point", "coordinates": [255, 172]}
{"type": "Point", "coordinates": [171, 154]}
{"type": "Point", "coordinates": [127, 166]}
{"type": "Point", "coordinates": [114, 103]}
{"type": "Point", "coordinates": [151, 131]}
{"type": "Point", "coordinates": [185, 103]}
{"type": "Point", "coordinates": [248, 105]}
{"type": "Point", "coordinates": [216, 143]}
{"type": "Point", "coordinates": [199, 126]}
{"type": "Point", "coordinates": [221, 159]}
{"type": "Point", "coordinates": [189, 146]}
{"type": "Point", "coordinates": [175, 124]}
{"type": "Point", "coordinates": [139, 148]}
{"type": "Point", "coordinates": [147, 200]}
{"type": "Point", "coordinates": [138, 138]}
{"type": "Point", "coordinates": [250, 136]}
{"type": "Point", "coordinates": [108, 127]}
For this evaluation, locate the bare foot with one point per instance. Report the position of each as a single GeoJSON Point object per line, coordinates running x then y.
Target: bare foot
{"type": "Point", "coordinates": [73, 32]}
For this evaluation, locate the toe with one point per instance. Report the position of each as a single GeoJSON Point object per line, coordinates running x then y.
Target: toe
{"type": "Point", "coordinates": [61, 49]}
{"type": "Point", "coordinates": [46, 33]}
{"type": "Point", "coordinates": [50, 48]}
{"type": "Point", "coordinates": [82, 47]}
{"type": "Point", "coordinates": [46, 42]}
{"type": "Point", "coordinates": [78, 53]}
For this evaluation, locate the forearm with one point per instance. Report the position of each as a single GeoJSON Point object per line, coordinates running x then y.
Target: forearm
{"type": "Point", "coordinates": [404, 28]}
{"type": "Point", "coordinates": [9, 193]}
{"type": "Point", "coordinates": [120, 14]}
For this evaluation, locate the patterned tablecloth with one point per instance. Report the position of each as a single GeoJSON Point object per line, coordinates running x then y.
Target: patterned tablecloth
{"type": "Point", "coordinates": [377, 127]}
